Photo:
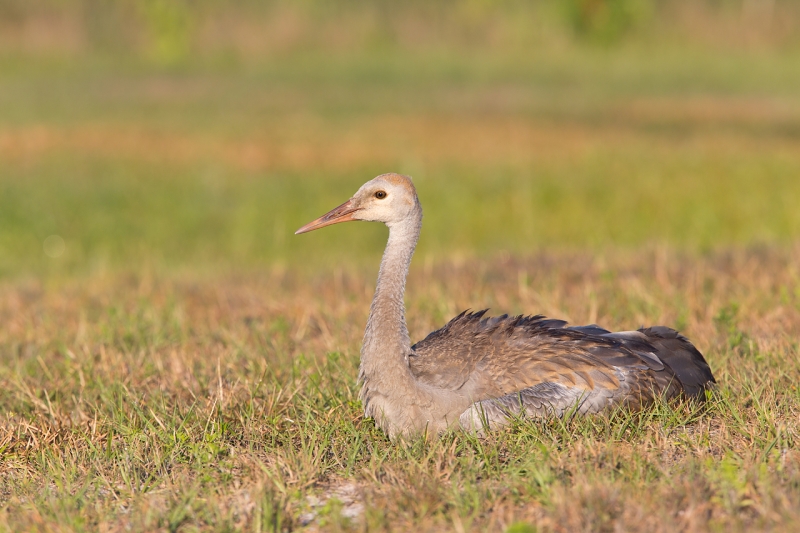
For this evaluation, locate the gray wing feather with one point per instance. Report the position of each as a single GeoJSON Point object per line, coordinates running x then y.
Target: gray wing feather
{"type": "Point", "coordinates": [542, 400]}
{"type": "Point", "coordinates": [532, 365]}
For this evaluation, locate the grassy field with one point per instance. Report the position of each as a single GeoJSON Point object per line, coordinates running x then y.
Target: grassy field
{"type": "Point", "coordinates": [175, 359]}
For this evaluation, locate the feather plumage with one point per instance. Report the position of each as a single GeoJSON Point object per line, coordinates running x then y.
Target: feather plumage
{"type": "Point", "coordinates": [538, 366]}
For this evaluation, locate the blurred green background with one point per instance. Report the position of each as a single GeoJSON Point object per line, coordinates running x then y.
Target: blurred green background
{"type": "Point", "coordinates": [197, 135]}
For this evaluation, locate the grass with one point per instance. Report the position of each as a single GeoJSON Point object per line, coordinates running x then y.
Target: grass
{"type": "Point", "coordinates": [187, 168]}
{"type": "Point", "coordinates": [188, 364]}
{"type": "Point", "coordinates": [150, 403]}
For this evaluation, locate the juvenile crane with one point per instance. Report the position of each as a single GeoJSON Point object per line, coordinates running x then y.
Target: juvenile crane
{"type": "Point", "coordinates": [479, 373]}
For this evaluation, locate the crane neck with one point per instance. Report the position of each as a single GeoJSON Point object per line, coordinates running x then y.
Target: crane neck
{"type": "Point", "coordinates": [386, 341]}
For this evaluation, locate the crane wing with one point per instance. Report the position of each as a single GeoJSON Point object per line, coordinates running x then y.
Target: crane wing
{"type": "Point", "coordinates": [539, 364]}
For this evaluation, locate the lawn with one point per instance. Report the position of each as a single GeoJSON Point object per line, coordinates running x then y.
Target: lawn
{"type": "Point", "coordinates": [184, 362]}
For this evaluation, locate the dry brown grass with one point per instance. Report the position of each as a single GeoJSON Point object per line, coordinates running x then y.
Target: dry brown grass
{"type": "Point", "coordinates": [299, 142]}
{"type": "Point", "coordinates": [170, 403]}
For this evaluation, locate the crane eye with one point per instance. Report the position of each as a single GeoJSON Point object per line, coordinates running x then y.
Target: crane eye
{"type": "Point", "coordinates": [380, 195]}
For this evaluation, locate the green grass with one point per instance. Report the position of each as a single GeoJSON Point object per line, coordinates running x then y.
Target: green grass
{"type": "Point", "coordinates": [118, 213]}
{"type": "Point", "coordinates": [571, 149]}
{"type": "Point", "coordinates": [188, 363]}
{"type": "Point", "coordinates": [145, 404]}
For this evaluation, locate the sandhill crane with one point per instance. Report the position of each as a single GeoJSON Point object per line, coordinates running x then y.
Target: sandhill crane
{"type": "Point", "coordinates": [479, 373]}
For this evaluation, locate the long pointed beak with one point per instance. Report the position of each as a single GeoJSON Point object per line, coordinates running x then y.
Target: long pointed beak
{"type": "Point", "coordinates": [343, 213]}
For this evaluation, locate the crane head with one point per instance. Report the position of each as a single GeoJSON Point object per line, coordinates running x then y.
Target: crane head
{"type": "Point", "coordinates": [389, 198]}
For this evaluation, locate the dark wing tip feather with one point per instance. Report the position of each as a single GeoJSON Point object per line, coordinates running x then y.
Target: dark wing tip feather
{"type": "Point", "coordinates": [685, 360]}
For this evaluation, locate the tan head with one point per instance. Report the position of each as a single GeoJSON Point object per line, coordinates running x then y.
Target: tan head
{"type": "Point", "coordinates": [389, 198]}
